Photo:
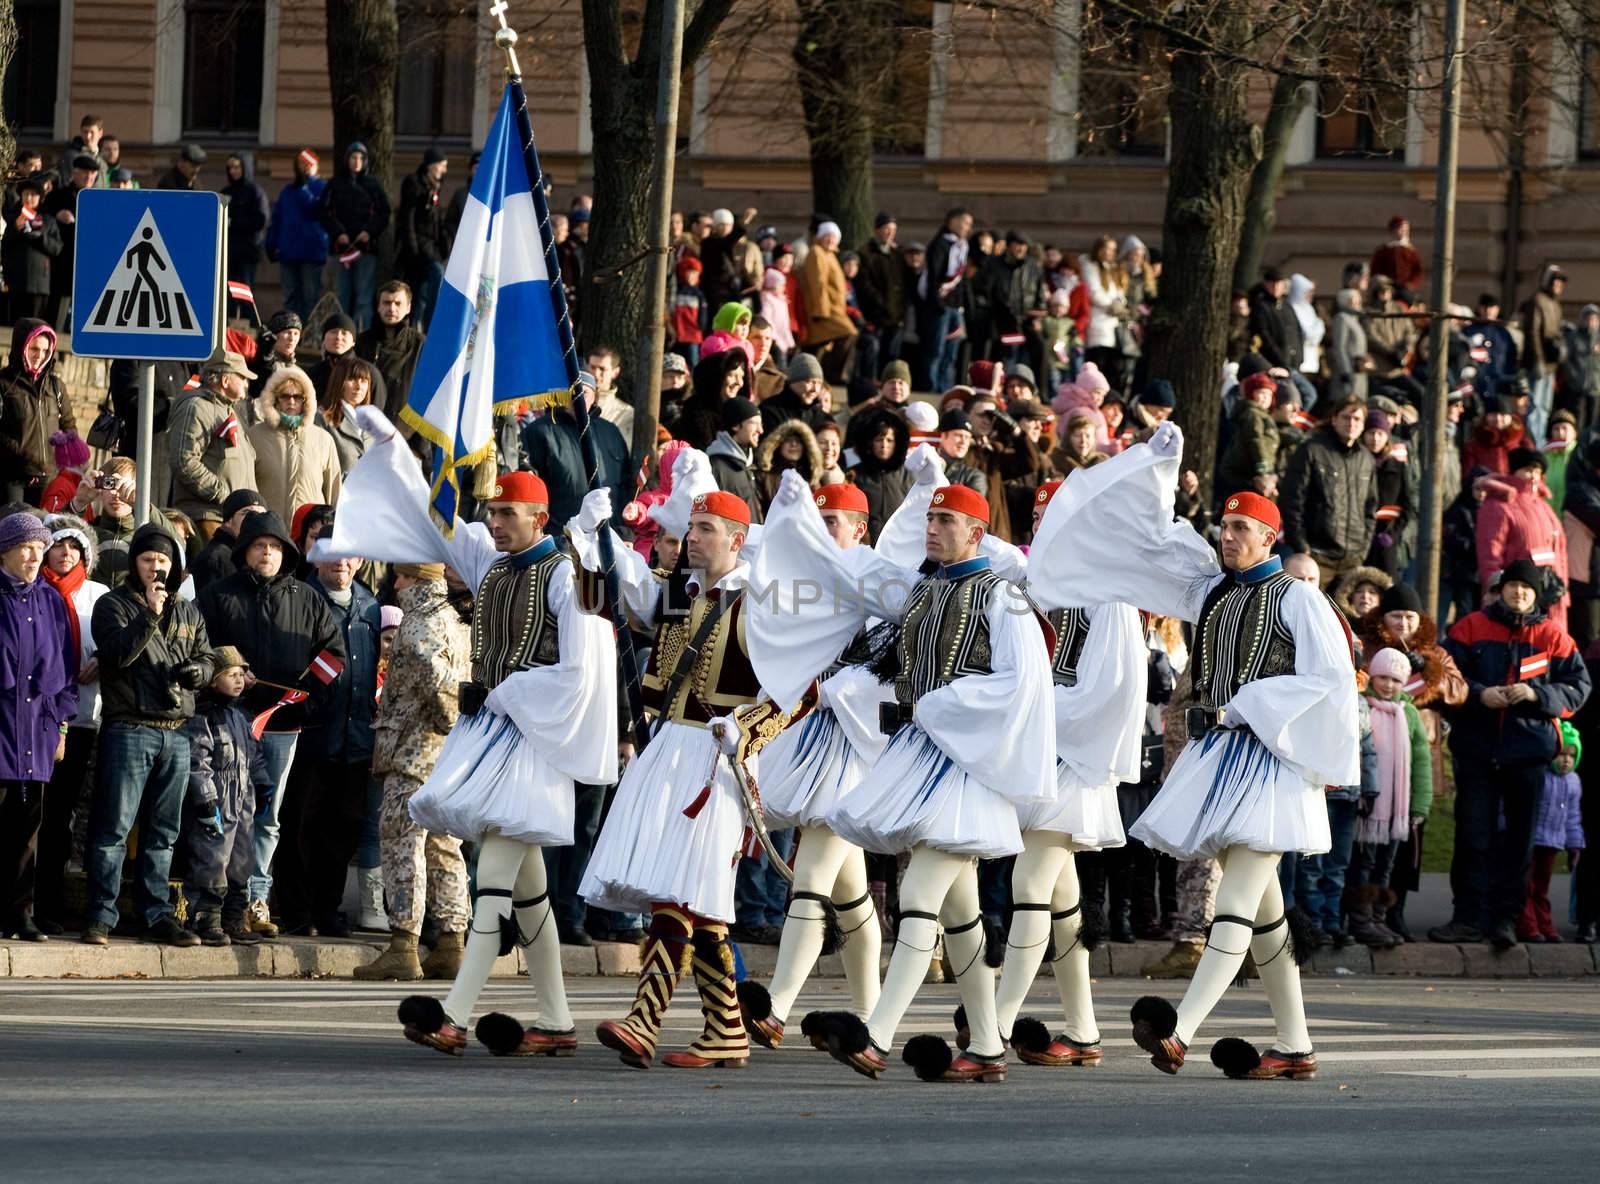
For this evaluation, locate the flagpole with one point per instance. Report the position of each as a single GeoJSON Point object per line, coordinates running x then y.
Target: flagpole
{"type": "Point", "coordinates": [506, 38]}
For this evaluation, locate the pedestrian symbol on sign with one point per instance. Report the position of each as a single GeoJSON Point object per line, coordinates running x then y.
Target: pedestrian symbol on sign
{"type": "Point", "coordinates": [144, 293]}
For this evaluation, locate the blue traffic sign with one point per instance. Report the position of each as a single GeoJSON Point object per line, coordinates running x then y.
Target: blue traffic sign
{"type": "Point", "coordinates": [147, 274]}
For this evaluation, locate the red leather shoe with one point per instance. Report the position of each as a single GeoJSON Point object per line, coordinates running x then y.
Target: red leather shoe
{"type": "Point", "coordinates": [690, 1060]}
{"type": "Point", "coordinates": [768, 1032]}
{"type": "Point", "coordinates": [869, 1062]}
{"type": "Point", "coordinates": [1296, 1066]}
{"type": "Point", "coordinates": [449, 1039]}
{"type": "Point", "coordinates": [537, 1042]}
{"type": "Point", "coordinates": [1063, 1052]}
{"type": "Point", "coordinates": [966, 1068]}
{"type": "Point", "coordinates": [624, 1043]}
{"type": "Point", "coordinates": [1167, 1054]}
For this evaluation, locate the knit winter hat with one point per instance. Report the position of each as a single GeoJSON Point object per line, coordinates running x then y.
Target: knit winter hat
{"type": "Point", "coordinates": [389, 617]}
{"type": "Point", "coordinates": [1158, 393]}
{"type": "Point", "coordinates": [1571, 742]}
{"type": "Point", "coordinates": [922, 417]}
{"type": "Point", "coordinates": [736, 410]}
{"type": "Point", "coordinates": [1523, 571]}
{"type": "Point", "coordinates": [1400, 598]}
{"type": "Point", "coordinates": [1523, 458]}
{"type": "Point", "coordinates": [1389, 662]}
{"type": "Point", "coordinates": [22, 527]}
{"type": "Point", "coordinates": [803, 367]}
{"type": "Point", "coordinates": [425, 572]}
{"type": "Point", "coordinates": [70, 450]}
{"type": "Point", "coordinates": [896, 369]}
{"type": "Point", "coordinates": [226, 657]}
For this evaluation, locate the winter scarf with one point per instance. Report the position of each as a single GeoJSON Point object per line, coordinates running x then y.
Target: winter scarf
{"type": "Point", "coordinates": [1390, 820]}
{"type": "Point", "coordinates": [67, 586]}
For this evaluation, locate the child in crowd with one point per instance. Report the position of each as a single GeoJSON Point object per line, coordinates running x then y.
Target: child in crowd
{"type": "Point", "coordinates": [730, 330]}
{"type": "Point", "coordinates": [226, 771]}
{"type": "Point", "coordinates": [1062, 346]}
{"type": "Point", "coordinates": [1404, 797]}
{"type": "Point", "coordinates": [1557, 826]}
{"type": "Point", "coordinates": [688, 312]}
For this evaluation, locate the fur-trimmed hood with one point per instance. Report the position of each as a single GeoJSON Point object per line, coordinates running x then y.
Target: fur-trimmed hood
{"type": "Point", "coordinates": [71, 526]}
{"type": "Point", "coordinates": [1442, 682]}
{"type": "Point", "coordinates": [267, 401]}
{"type": "Point", "coordinates": [1347, 583]}
{"type": "Point", "coordinates": [810, 463]}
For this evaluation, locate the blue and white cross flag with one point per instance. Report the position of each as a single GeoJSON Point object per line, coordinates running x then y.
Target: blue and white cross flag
{"type": "Point", "coordinates": [494, 340]}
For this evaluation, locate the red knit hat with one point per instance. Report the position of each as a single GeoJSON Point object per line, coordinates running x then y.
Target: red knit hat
{"type": "Point", "coordinates": [723, 505]}
{"type": "Point", "coordinates": [520, 486]}
{"type": "Point", "coordinates": [1253, 505]}
{"type": "Point", "coordinates": [1259, 382]}
{"type": "Point", "coordinates": [842, 497]}
{"type": "Point", "coordinates": [1045, 492]}
{"type": "Point", "coordinates": [963, 500]}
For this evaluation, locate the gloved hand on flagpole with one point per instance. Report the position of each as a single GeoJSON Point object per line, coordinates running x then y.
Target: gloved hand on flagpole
{"type": "Point", "coordinates": [369, 420]}
{"type": "Point", "coordinates": [595, 510]}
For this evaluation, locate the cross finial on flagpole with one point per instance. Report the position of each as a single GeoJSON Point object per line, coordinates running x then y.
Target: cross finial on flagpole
{"type": "Point", "coordinates": [505, 36]}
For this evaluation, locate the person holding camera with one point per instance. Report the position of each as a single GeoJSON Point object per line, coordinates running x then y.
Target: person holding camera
{"type": "Point", "coordinates": [154, 655]}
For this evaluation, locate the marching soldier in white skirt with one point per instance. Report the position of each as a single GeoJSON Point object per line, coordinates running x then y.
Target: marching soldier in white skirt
{"type": "Point", "coordinates": [1275, 722]}
{"type": "Point", "coordinates": [538, 715]}
{"type": "Point", "coordinates": [970, 740]}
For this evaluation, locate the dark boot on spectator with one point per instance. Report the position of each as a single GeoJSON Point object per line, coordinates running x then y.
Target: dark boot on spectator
{"type": "Point", "coordinates": [399, 962]}
{"type": "Point", "coordinates": [444, 960]}
{"type": "Point", "coordinates": [1380, 914]}
{"type": "Point", "coordinates": [208, 927]}
{"type": "Point", "coordinates": [168, 932]}
{"type": "Point", "coordinates": [1362, 926]}
{"type": "Point", "coordinates": [1456, 933]}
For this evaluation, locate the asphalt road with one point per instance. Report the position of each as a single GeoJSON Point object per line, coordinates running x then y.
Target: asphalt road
{"type": "Point", "coordinates": [245, 1080]}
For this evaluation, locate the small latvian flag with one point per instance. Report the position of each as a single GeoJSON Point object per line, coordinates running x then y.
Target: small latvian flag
{"type": "Point", "coordinates": [258, 726]}
{"type": "Point", "coordinates": [228, 430]}
{"type": "Point", "coordinates": [326, 667]}
{"type": "Point", "coordinates": [1534, 665]}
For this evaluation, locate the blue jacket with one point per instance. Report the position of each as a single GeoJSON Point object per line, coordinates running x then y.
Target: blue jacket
{"type": "Point", "coordinates": [38, 677]}
{"type": "Point", "coordinates": [343, 727]}
{"type": "Point", "coordinates": [296, 234]}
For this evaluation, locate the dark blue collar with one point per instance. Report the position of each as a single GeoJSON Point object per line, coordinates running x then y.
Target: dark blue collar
{"type": "Point", "coordinates": [1254, 575]}
{"type": "Point", "coordinates": [534, 553]}
{"type": "Point", "coordinates": [956, 571]}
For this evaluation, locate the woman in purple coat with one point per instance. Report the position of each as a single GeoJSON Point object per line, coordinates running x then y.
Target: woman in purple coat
{"type": "Point", "coordinates": [38, 697]}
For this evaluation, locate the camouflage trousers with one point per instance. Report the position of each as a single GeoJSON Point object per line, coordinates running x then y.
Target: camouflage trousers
{"type": "Point", "coordinates": [412, 857]}
{"type": "Point", "coordinates": [1197, 898]}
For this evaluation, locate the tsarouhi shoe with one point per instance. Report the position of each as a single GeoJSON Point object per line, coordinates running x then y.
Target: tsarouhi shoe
{"type": "Point", "coordinates": [1035, 1046]}
{"type": "Point", "coordinates": [1154, 1030]}
{"type": "Point", "coordinates": [425, 1023]}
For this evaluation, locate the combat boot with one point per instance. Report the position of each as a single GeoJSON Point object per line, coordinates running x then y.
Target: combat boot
{"type": "Point", "coordinates": [444, 960]}
{"type": "Point", "coordinates": [1178, 962]}
{"type": "Point", "coordinates": [399, 962]}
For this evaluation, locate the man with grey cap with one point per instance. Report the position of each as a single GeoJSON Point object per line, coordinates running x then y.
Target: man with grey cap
{"type": "Point", "coordinates": [800, 399]}
{"type": "Point", "coordinates": [185, 169]}
{"type": "Point", "coordinates": [206, 442]}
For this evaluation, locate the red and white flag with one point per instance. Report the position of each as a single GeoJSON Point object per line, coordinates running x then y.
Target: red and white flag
{"type": "Point", "coordinates": [1534, 665]}
{"type": "Point", "coordinates": [258, 726]}
{"type": "Point", "coordinates": [228, 430]}
{"type": "Point", "coordinates": [326, 667]}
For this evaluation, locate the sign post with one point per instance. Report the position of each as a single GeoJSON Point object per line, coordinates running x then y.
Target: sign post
{"type": "Point", "coordinates": [147, 286]}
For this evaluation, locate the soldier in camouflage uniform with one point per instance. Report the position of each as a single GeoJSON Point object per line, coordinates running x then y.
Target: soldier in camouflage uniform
{"type": "Point", "coordinates": [429, 659]}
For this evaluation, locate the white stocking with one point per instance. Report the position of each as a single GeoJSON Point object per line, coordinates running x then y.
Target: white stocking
{"type": "Point", "coordinates": [1033, 882]}
{"type": "Point", "coordinates": [927, 882]}
{"type": "Point", "coordinates": [1072, 958]}
{"type": "Point", "coordinates": [964, 940]}
{"type": "Point", "coordinates": [1245, 876]}
{"type": "Point", "coordinates": [859, 930]}
{"type": "Point", "coordinates": [541, 944]}
{"type": "Point", "coordinates": [816, 867]}
{"type": "Point", "coordinates": [1280, 975]}
{"type": "Point", "coordinates": [499, 861]}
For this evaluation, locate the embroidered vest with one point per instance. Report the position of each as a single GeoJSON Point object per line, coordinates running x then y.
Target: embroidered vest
{"type": "Point", "coordinates": [1071, 627]}
{"type": "Point", "coordinates": [512, 625]}
{"type": "Point", "coordinates": [1241, 638]}
{"type": "Point", "coordinates": [944, 633]}
{"type": "Point", "coordinates": [721, 677]}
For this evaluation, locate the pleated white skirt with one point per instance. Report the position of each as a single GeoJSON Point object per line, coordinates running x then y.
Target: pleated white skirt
{"type": "Point", "coordinates": [490, 777]}
{"type": "Point", "coordinates": [1089, 813]}
{"type": "Point", "coordinates": [807, 771]}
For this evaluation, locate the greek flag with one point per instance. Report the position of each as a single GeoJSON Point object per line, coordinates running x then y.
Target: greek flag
{"type": "Point", "coordinates": [495, 340]}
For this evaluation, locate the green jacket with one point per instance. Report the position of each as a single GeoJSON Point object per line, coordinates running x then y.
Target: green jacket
{"type": "Point", "coordinates": [1253, 448]}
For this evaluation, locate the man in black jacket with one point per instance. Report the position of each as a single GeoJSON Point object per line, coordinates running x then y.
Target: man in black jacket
{"type": "Point", "coordinates": [154, 654]}
{"type": "Point", "coordinates": [1329, 494]}
{"type": "Point", "coordinates": [424, 234]}
{"type": "Point", "coordinates": [286, 633]}
{"type": "Point", "coordinates": [393, 344]}
{"type": "Point", "coordinates": [1275, 323]}
{"type": "Point", "coordinates": [733, 453]}
{"type": "Point", "coordinates": [939, 293]}
{"type": "Point", "coordinates": [215, 561]}
{"type": "Point", "coordinates": [881, 292]}
{"type": "Point", "coordinates": [355, 213]}
{"type": "Point", "coordinates": [550, 448]}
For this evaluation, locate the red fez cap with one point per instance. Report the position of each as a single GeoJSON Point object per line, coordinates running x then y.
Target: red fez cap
{"type": "Point", "coordinates": [1047, 491]}
{"type": "Point", "coordinates": [723, 505]}
{"type": "Point", "coordinates": [1253, 505]}
{"type": "Point", "coordinates": [963, 500]}
{"type": "Point", "coordinates": [842, 497]}
{"type": "Point", "coordinates": [520, 486]}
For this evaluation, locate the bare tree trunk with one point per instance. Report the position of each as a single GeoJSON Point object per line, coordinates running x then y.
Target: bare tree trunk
{"type": "Point", "coordinates": [8, 48]}
{"type": "Point", "coordinates": [363, 66]}
{"type": "Point", "coordinates": [622, 117]}
{"type": "Point", "coordinates": [1215, 147]}
{"type": "Point", "coordinates": [1290, 97]}
{"type": "Point", "coordinates": [840, 53]}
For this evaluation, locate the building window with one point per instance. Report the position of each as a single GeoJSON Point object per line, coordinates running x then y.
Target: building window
{"type": "Point", "coordinates": [224, 44]}
{"type": "Point", "coordinates": [30, 82]}
{"type": "Point", "coordinates": [1589, 104]}
{"type": "Point", "coordinates": [901, 122]}
{"type": "Point", "coordinates": [1362, 109]}
{"type": "Point", "coordinates": [438, 70]}
{"type": "Point", "coordinates": [1123, 94]}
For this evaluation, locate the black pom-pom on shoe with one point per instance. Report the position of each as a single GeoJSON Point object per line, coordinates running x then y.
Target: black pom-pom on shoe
{"type": "Point", "coordinates": [1236, 1058]}
{"type": "Point", "coordinates": [422, 1012]}
{"type": "Point", "coordinates": [929, 1056]}
{"type": "Point", "coordinates": [1029, 1035]}
{"type": "Point", "coordinates": [1154, 1019]}
{"type": "Point", "coordinates": [845, 1033]}
{"type": "Point", "coordinates": [754, 1000]}
{"type": "Point", "coordinates": [499, 1033]}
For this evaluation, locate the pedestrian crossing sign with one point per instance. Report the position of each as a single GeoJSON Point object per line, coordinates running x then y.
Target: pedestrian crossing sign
{"type": "Point", "coordinates": [146, 274]}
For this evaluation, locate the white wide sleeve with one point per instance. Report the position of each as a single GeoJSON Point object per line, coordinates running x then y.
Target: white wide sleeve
{"type": "Point", "coordinates": [1109, 535]}
{"type": "Point", "coordinates": [691, 477]}
{"type": "Point", "coordinates": [806, 599]}
{"type": "Point", "coordinates": [903, 539]}
{"type": "Point", "coordinates": [1100, 721]}
{"type": "Point", "coordinates": [1309, 718]}
{"type": "Point", "coordinates": [639, 587]}
{"type": "Point", "coordinates": [1000, 727]}
{"type": "Point", "coordinates": [569, 711]}
{"type": "Point", "coordinates": [854, 695]}
{"type": "Point", "coordinates": [1008, 561]}
{"type": "Point", "coordinates": [383, 515]}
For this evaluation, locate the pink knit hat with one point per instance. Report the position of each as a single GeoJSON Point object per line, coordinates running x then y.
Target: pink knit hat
{"type": "Point", "coordinates": [1389, 662]}
{"type": "Point", "coordinates": [1087, 390]}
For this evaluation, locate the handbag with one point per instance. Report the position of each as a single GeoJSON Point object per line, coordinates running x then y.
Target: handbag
{"type": "Point", "coordinates": [1128, 340]}
{"type": "Point", "coordinates": [106, 431]}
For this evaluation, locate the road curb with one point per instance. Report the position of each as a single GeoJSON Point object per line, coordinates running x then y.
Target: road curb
{"type": "Point", "coordinates": [334, 958]}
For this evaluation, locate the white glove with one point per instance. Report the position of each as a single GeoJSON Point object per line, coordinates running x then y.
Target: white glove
{"type": "Point", "coordinates": [792, 489]}
{"type": "Point", "coordinates": [595, 510]}
{"type": "Point", "coordinates": [924, 465]}
{"type": "Point", "coordinates": [725, 730]}
{"type": "Point", "coordinates": [370, 420]}
{"type": "Point", "coordinates": [1167, 440]}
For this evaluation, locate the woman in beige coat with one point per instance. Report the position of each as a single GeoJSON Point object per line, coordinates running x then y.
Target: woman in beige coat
{"type": "Point", "coordinates": [829, 333]}
{"type": "Point", "coordinates": [296, 461]}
